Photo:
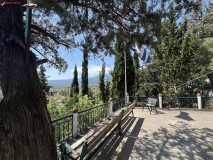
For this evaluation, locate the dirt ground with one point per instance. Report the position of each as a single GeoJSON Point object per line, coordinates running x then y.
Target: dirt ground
{"type": "Point", "coordinates": [175, 135]}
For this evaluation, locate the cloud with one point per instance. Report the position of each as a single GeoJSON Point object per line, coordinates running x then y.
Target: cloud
{"type": "Point", "coordinates": [92, 70]}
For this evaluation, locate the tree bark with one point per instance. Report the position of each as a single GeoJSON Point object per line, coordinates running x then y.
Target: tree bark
{"type": "Point", "coordinates": [26, 131]}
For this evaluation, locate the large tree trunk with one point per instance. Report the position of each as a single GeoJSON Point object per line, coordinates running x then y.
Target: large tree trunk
{"type": "Point", "coordinates": [25, 124]}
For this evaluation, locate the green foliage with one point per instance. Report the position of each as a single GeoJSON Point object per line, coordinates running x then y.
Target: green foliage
{"type": "Point", "coordinates": [70, 103]}
{"type": "Point", "coordinates": [84, 78]}
{"type": "Point", "coordinates": [208, 43]}
{"type": "Point", "coordinates": [79, 101]}
{"type": "Point", "coordinates": [136, 68]}
{"type": "Point", "coordinates": [60, 106]}
{"type": "Point", "coordinates": [149, 82]}
{"type": "Point", "coordinates": [84, 103]}
{"type": "Point", "coordinates": [201, 20]}
{"type": "Point", "coordinates": [97, 97]}
{"type": "Point", "coordinates": [63, 93]}
{"type": "Point", "coordinates": [179, 57]}
{"type": "Point", "coordinates": [111, 90]}
{"type": "Point", "coordinates": [130, 70]}
{"type": "Point", "coordinates": [43, 80]}
{"type": "Point", "coordinates": [90, 93]}
{"type": "Point", "coordinates": [102, 83]}
{"type": "Point", "coordinates": [118, 74]}
{"type": "Point", "coordinates": [74, 86]}
{"type": "Point", "coordinates": [55, 108]}
{"type": "Point", "coordinates": [107, 90]}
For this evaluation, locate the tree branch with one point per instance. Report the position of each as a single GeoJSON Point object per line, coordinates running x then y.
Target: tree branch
{"type": "Point", "coordinates": [39, 62]}
{"type": "Point", "coordinates": [47, 60]}
{"type": "Point", "coordinates": [77, 3]}
{"type": "Point", "coordinates": [52, 36]}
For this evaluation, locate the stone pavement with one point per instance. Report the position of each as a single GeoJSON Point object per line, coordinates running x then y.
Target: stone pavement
{"type": "Point", "coordinates": [175, 135]}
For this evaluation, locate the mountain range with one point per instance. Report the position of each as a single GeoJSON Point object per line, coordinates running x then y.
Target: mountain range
{"type": "Point", "coordinates": [93, 81]}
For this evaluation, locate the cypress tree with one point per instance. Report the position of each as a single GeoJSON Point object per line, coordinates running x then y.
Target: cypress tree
{"type": "Point", "coordinates": [130, 73]}
{"type": "Point", "coordinates": [84, 78]}
{"type": "Point", "coordinates": [118, 74]}
{"type": "Point", "coordinates": [136, 68]}
{"type": "Point", "coordinates": [74, 86]}
{"type": "Point", "coordinates": [107, 90]}
{"type": "Point", "coordinates": [43, 80]}
{"type": "Point", "coordinates": [102, 83]}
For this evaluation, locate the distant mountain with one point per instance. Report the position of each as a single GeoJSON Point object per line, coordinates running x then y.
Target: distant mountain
{"type": "Point", "coordinates": [93, 81]}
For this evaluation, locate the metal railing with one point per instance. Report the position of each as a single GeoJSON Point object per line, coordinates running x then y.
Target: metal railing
{"type": "Point", "coordinates": [63, 128]}
{"type": "Point", "coordinates": [177, 102]}
{"type": "Point", "coordinates": [86, 118]}
{"type": "Point", "coordinates": [89, 117]}
{"type": "Point", "coordinates": [207, 102]}
{"type": "Point", "coordinates": [118, 103]}
{"type": "Point", "coordinates": [137, 99]}
{"type": "Point", "coordinates": [180, 102]}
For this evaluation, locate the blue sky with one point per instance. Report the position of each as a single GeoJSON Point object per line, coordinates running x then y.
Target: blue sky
{"type": "Point", "coordinates": [76, 57]}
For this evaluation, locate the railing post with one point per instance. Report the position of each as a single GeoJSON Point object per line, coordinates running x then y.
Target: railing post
{"type": "Point", "coordinates": [199, 102]}
{"type": "Point", "coordinates": [75, 122]}
{"type": "Point", "coordinates": [127, 101]}
{"type": "Point", "coordinates": [110, 107]}
{"type": "Point", "coordinates": [160, 101]}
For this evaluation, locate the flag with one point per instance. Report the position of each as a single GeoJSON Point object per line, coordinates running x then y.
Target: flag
{"type": "Point", "coordinates": [147, 60]}
{"type": "Point", "coordinates": [143, 55]}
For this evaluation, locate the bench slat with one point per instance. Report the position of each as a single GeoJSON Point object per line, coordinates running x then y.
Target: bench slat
{"type": "Point", "coordinates": [103, 133]}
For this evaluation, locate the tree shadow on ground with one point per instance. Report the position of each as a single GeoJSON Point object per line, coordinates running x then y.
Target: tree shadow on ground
{"type": "Point", "coordinates": [127, 147]}
{"type": "Point", "coordinates": [179, 141]}
{"type": "Point", "coordinates": [185, 116]}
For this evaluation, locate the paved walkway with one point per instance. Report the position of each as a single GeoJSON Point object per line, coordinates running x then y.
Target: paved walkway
{"type": "Point", "coordinates": [175, 135]}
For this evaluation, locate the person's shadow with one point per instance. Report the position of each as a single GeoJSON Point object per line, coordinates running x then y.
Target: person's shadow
{"type": "Point", "coordinates": [185, 116]}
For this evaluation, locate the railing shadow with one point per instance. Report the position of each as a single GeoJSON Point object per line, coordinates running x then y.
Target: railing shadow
{"type": "Point", "coordinates": [112, 142]}
{"type": "Point", "coordinates": [131, 139]}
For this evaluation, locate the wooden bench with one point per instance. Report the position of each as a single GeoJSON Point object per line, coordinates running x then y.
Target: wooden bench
{"type": "Point", "coordinates": [67, 153]}
{"type": "Point", "coordinates": [151, 105]}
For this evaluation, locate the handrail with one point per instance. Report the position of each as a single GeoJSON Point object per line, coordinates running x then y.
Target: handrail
{"type": "Point", "coordinates": [86, 118]}
{"type": "Point", "coordinates": [93, 107]}
{"type": "Point", "coordinates": [53, 121]}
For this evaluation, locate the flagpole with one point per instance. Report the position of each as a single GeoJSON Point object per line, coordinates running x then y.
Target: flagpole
{"type": "Point", "coordinates": [125, 78]}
